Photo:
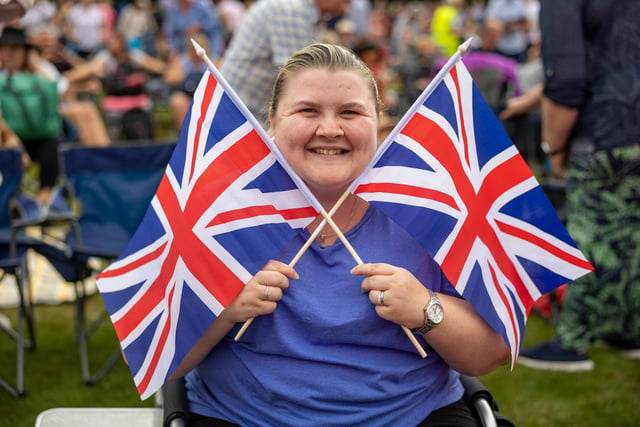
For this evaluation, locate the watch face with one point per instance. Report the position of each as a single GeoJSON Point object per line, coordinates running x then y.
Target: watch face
{"type": "Point", "coordinates": [435, 313]}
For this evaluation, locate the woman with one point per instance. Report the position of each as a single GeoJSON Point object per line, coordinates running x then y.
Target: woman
{"type": "Point", "coordinates": [29, 104]}
{"type": "Point", "coordinates": [326, 347]}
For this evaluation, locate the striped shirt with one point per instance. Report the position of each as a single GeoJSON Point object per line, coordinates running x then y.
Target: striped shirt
{"type": "Point", "coordinates": [270, 32]}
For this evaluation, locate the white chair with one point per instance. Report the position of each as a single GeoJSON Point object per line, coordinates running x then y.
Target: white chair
{"type": "Point", "coordinates": [100, 417]}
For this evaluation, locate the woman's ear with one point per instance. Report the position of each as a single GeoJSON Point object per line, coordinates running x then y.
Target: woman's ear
{"type": "Point", "coordinates": [271, 122]}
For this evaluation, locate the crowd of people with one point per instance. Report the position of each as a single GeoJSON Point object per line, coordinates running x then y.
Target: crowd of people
{"type": "Point", "coordinates": [117, 61]}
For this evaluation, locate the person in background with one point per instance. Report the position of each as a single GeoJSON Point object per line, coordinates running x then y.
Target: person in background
{"type": "Point", "coordinates": [326, 346]}
{"type": "Point", "coordinates": [360, 14]}
{"type": "Point", "coordinates": [85, 28]}
{"type": "Point", "coordinates": [590, 115]}
{"type": "Point", "coordinates": [42, 14]}
{"type": "Point", "coordinates": [446, 26]}
{"type": "Point", "coordinates": [182, 75]}
{"type": "Point", "coordinates": [123, 73]}
{"type": "Point", "coordinates": [10, 10]}
{"type": "Point", "coordinates": [416, 67]}
{"type": "Point", "coordinates": [18, 58]}
{"type": "Point", "coordinates": [184, 18]}
{"type": "Point", "coordinates": [346, 32]}
{"type": "Point", "coordinates": [270, 32]}
{"type": "Point", "coordinates": [507, 27]}
{"type": "Point", "coordinates": [231, 13]}
{"type": "Point", "coordinates": [374, 56]}
{"type": "Point", "coordinates": [138, 26]}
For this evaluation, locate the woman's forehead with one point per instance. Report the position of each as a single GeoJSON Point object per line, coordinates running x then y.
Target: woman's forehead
{"type": "Point", "coordinates": [320, 80]}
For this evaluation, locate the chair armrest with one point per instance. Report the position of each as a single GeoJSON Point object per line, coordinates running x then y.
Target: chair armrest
{"type": "Point", "coordinates": [176, 408]}
{"type": "Point", "coordinates": [479, 398]}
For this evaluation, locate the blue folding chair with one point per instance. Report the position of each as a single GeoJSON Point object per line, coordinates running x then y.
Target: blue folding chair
{"type": "Point", "coordinates": [109, 189]}
{"type": "Point", "coordinates": [14, 244]}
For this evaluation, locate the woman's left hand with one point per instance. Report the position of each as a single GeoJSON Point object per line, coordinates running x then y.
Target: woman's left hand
{"type": "Point", "coordinates": [396, 293]}
{"type": "Point", "coordinates": [261, 294]}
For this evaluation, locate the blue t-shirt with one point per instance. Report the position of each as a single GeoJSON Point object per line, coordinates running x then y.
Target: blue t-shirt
{"type": "Point", "coordinates": [324, 357]}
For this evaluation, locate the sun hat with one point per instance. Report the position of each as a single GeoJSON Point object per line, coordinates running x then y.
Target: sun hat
{"type": "Point", "coordinates": [14, 36]}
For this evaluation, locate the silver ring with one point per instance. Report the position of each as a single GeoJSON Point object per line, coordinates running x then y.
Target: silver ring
{"type": "Point", "coordinates": [267, 291]}
{"type": "Point", "coordinates": [381, 298]}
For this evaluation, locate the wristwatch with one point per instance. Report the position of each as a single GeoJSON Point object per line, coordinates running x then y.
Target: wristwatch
{"type": "Point", "coordinates": [433, 314]}
{"type": "Point", "coordinates": [547, 149]}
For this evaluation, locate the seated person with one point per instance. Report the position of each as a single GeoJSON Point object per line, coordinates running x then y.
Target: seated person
{"type": "Point", "coordinates": [29, 104]}
{"type": "Point", "coordinates": [183, 74]}
{"type": "Point", "coordinates": [326, 346]}
{"type": "Point", "coordinates": [123, 73]}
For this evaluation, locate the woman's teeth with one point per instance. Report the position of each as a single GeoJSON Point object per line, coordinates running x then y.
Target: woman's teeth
{"type": "Point", "coordinates": [328, 151]}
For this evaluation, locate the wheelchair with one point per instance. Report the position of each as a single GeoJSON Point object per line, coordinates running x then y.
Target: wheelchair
{"type": "Point", "coordinates": [173, 399]}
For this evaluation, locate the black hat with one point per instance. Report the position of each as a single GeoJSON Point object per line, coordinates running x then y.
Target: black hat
{"type": "Point", "coordinates": [14, 36]}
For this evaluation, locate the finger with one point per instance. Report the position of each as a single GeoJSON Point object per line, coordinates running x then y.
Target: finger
{"type": "Point", "coordinates": [271, 278]}
{"type": "Point", "coordinates": [376, 283]}
{"type": "Point", "coordinates": [373, 269]}
{"type": "Point", "coordinates": [272, 293]}
{"type": "Point", "coordinates": [377, 297]}
{"type": "Point", "coordinates": [282, 268]}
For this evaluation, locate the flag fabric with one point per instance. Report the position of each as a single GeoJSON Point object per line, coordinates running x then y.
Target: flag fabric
{"type": "Point", "coordinates": [225, 206]}
{"type": "Point", "coordinates": [450, 175]}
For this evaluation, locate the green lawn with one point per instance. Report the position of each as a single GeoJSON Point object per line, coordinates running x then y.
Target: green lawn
{"type": "Point", "coordinates": [608, 396]}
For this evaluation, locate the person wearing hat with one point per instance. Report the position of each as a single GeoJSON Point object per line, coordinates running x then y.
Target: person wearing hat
{"type": "Point", "coordinates": [13, 9]}
{"type": "Point", "coordinates": [21, 77]}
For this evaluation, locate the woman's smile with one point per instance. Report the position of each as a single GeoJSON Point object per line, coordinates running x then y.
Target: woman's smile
{"type": "Point", "coordinates": [328, 151]}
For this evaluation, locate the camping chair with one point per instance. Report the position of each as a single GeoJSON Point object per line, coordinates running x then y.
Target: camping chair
{"type": "Point", "coordinates": [14, 244]}
{"type": "Point", "coordinates": [476, 396]}
{"type": "Point", "coordinates": [110, 189]}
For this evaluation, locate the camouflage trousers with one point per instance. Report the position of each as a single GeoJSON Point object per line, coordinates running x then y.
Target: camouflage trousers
{"type": "Point", "coordinates": [603, 217]}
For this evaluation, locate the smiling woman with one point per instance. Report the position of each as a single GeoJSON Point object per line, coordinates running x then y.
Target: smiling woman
{"type": "Point", "coordinates": [327, 350]}
{"type": "Point", "coordinates": [326, 131]}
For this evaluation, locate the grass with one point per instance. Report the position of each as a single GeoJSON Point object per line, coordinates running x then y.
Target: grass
{"type": "Point", "coordinates": [607, 396]}
{"type": "Point", "coordinates": [52, 373]}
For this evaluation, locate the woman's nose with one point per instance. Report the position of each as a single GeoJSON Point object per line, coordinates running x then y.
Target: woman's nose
{"type": "Point", "coordinates": [329, 127]}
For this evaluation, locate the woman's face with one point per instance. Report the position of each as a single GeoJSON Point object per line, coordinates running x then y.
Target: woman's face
{"type": "Point", "coordinates": [325, 125]}
{"type": "Point", "coordinates": [13, 57]}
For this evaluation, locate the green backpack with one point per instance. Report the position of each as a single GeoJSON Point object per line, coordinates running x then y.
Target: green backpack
{"type": "Point", "coordinates": [29, 105]}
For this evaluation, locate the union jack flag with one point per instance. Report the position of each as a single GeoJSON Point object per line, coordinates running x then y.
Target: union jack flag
{"type": "Point", "coordinates": [450, 175]}
{"type": "Point", "coordinates": [225, 206]}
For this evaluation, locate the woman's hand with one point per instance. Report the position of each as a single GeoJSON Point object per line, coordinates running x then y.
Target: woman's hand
{"type": "Point", "coordinates": [261, 293]}
{"type": "Point", "coordinates": [463, 339]}
{"type": "Point", "coordinates": [258, 297]}
{"type": "Point", "coordinates": [403, 296]}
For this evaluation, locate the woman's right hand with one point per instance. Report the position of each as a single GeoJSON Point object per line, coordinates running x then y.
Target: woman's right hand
{"type": "Point", "coordinates": [261, 294]}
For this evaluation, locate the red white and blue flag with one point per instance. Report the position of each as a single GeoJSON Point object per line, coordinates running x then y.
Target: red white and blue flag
{"type": "Point", "coordinates": [450, 175]}
{"type": "Point", "coordinates": [226, 204]}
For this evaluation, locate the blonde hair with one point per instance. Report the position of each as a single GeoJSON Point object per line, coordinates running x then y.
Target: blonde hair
{"type": "Point", "coordinates": [323, 56]}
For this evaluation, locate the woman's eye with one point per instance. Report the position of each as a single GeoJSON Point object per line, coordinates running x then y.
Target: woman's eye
{"type": "Point", "coordinates": [349, 112]}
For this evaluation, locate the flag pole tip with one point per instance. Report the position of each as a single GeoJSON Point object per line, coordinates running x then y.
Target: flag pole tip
{"type": "Point", "coordinates": [199, 50]}
{"type": "Point", "coordinates": [465, 46]}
